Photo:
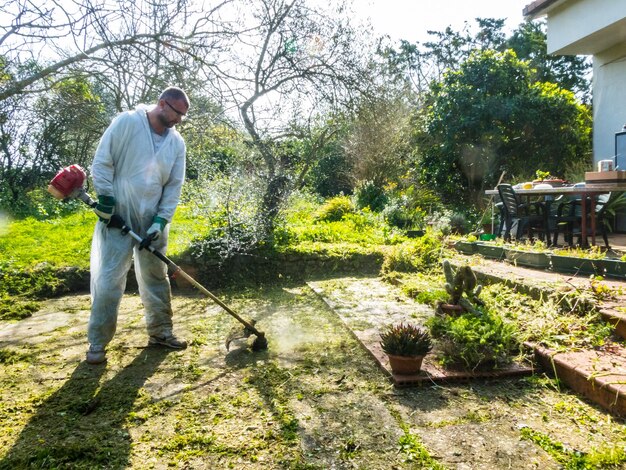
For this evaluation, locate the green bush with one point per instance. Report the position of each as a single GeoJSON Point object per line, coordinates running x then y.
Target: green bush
{"type": "Point", "coordinates": [330, 176]}
{"type": "Point", "coordinates": [458, 223]}
{"type": "Point", "coordinates": [399, 213]}
{"type": "Point", "coordinates": [474, 341]}
{"type": "Point", "coordinates": [418, 254]}
{"type": "Point", "coordinates": [368, 194]}
{"type": "Point", "coordinates": [40, 205]}
{"type": "Point", "coordinates": [335, 209]}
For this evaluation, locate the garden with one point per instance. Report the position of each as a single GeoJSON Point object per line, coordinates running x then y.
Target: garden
{"type": "Point", "coordinates": [334, 196]}
{"type": "Point", "coordinates": [315, 398]}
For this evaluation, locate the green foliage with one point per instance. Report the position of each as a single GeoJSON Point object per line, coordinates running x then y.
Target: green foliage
{"type": "Point", "coordinates": [542, 175]}
{"type": "Point", "coordinates": [334, 209]}
{"type": "Point", "coordinates": [405, 339]}
{"type": "Point", "coordinates": [300, 225]}
{"type": "Point", "coordinates": [369, 194]}
{"type": "Point", "coordinates": [415, 451]}
{"type": "Point", "coordinates": [430, 297]}
{"type": "Point", "coordinates": [330, 176]}
{"type": "Point", "coordinates": [10, 356]}
{"type": "Point", "coordinates": [401, 213]}
{"type": "Point", "coordinates": [571, 459]}
{"type": "Point", "coordinates": [40, 205]}
{"type": "Point", "coordinates": [13, 309]}
{"type": "Point", "coordinates": [560, 320]}
{"type": "Point", "coordinates": [474, 341]}
{"type": "Point", "coordinates": [529, 41]}
{"type": "Point", "coordinates": [489, 117]}
{"type": "Point", "coordinates": [418, 254]}
{"type": "Point", "coordinates": [53, 129]}
{"type": "Point", "coordinates": [458, 223]}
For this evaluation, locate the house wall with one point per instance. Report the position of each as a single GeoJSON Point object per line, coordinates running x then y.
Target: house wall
{"type": "Point", "coordinates": [609, 100]}
{"type": "Point", "coordinates": [585, 27]}
{"type": "Point", "coordinates": [609, 107]}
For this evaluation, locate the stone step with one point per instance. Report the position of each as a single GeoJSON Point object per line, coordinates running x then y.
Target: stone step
{"type": "Point", "coordinates": [535, 282]}
{"type": "Point", "coordinates": [597, 374]}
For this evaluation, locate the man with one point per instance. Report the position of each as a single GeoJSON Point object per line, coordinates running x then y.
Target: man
{"type": "Point", "coordinates": [138, 172]}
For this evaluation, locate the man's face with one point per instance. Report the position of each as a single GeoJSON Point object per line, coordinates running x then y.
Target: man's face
{"type": "Point", "coordinates": [171, 112]}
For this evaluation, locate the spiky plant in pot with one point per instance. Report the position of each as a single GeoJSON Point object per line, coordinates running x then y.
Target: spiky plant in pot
{"type": "Point", "coordinates": [405, 340]}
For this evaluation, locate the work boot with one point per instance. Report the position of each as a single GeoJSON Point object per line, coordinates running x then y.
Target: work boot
{"type": "Point", "coordinates": [168, 340]}
{"type": "Point", "coordinates": [96, 354]}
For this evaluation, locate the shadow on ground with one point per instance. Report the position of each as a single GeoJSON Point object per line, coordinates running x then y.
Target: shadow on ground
{"type": "Point", "coordinates": [63, 432]}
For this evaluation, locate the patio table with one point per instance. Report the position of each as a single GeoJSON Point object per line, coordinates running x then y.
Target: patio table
{"type": "Point", "coordinates": [590, 190]}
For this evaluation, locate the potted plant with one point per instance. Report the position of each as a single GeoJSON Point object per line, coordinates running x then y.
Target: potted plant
{"type": "Point", "coordinates": [546, 177]}
{"type": "Point", "coordinates": [405, 345]}
{"type": "Point", "coordinates": [578, 260]}
{"type": "Point", "coordinates": [491, 249]}
{"type": "Point", "coordinates": [488, 223]}
{"type": "Point", "coordinates": [467, 246]}
{"type": "Point", "coordinates": [534, 255]}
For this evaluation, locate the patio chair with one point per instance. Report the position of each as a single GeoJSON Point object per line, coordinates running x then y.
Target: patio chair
{"type": "Point", "coordinates": [529, 217]}
{"type": "Point", "coordinates": [568, 219]}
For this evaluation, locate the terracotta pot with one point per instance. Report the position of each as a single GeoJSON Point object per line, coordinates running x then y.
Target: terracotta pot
{"type": "Point", "coordinates": [405, 365]}
{"type": "Point", "coordinates": [451, 309]}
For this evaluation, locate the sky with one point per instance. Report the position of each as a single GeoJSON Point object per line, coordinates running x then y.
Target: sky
{"type": "Point", "coordinates": [410, 19]}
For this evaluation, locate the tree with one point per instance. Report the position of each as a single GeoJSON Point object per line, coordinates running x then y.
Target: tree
{"type": "Point", "coordinates": [489, 117]}
{"type": "Point", "coordinates": [377, 142]}
{"type": "Point", "coordinates": [39, 136]}
{"type": "Point", "coordinates": [133, 41]}
{"type": "Point", "coordinates": [294, 60]}
{"type": "Point", "coordinates": [419, 64]}
{"type": "Point", "coordinates": [529, 41]}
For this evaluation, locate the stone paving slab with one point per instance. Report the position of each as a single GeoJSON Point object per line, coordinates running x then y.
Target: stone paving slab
{"type": "Point", "coordinates": [367, 305]}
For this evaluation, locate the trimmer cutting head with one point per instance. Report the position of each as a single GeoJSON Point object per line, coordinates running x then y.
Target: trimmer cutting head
{"type": "Point", "coordinates": [259, 343]}
{"type": "Point", "coordinates": [239, 332]}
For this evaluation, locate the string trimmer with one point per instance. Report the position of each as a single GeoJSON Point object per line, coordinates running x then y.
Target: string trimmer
{"type": "Point", "coordinates": [68, 184]}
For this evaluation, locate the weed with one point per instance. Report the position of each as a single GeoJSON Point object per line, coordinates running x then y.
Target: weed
{"type": "Point", "coordinates": [349, 448]}
{"type": "Point", "coordinates": [474, 341]}
{"type": "Point", "coordinates": [605, 457]}
{"type": "Point", "coordinates": [14, 309]}
{"type": "Point", "coordinates": [9, 356]}
{"type": "Point", "coordinates": [415, 452]}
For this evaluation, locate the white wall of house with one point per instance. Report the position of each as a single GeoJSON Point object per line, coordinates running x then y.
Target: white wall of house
{"type": "Point", "coordinates": [586, 27]}
{"type": "Point", "coordinates": [609, 99]}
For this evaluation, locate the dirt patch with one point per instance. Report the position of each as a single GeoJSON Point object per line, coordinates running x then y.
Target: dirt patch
{"type": "Point", "coordinates": [314, 400]}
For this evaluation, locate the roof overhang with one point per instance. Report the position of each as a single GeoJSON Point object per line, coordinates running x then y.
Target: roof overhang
{"type": "Point", "coordinates": [540, 7]}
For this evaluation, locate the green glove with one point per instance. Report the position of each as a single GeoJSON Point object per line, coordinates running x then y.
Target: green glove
{"type": "Point", "coordinates": [154, 232]}
{"type": "Point", "coordinates": [157, 227]}
{"type": "Point", "coordinates": [104, 208]}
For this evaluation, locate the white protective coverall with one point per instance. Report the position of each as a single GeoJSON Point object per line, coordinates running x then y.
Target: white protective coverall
{"type": "Point", "coordinates": [144, 183]}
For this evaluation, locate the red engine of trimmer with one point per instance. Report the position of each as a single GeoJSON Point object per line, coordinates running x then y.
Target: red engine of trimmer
{"type": "Point", "coordinates": [67, 181]}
